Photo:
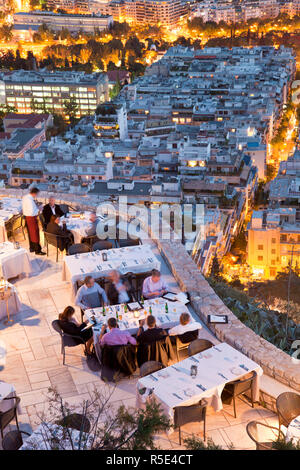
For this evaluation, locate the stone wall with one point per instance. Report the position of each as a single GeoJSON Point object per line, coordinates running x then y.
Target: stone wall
{"type": "Point", "coordinates": [205, 301]}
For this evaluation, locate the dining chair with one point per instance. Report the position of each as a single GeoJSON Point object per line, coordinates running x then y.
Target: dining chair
{"type": "Point", "coordinates": [183, 341]}
{"type": "Point", "coordinates": [76, 421]}
{"type": "Point", "coordinates": [190, 414]}
{"type": "Point", "coordinates": [236, 388]}
{"type": "Point", "coordinates": [53, 240]}
{"type": "Point", "coordinates": [288, 408]}
{"type": "Point", "coordinates": [67, 340]}
{"type": "Point", "coordinates": [102, 245]}
{"type": "Point", "coordinates": [128, 242]}
{"type": "Point", "coordinates": [263, 435]}
{"type": "Point", "coordinates": [13, 440]}
{"type": "Point", "coordinates": [199, 345]}
{"type": "Point", "coordinates": [78, 248]}
{"type": "Point", "coordinates": [150, 367]}
{"type": "Point", "coordinates": [9, 415]}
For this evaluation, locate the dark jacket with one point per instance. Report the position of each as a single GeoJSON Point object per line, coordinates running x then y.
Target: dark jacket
{"type": "Point", "coordinates": [151, 335]}
{"type": "Point", "coordinates": [161, 351]}
{"type": "Point", "coordinates": [71, 328]}
{"type": "Point", "coordinates": [66, 235]}
{"type": "Point", "coordinates": [116, 359]}
{"type": "Point", "coordinates": [47, 212]}
{"type": "Point", "coordinates": [113, 294]}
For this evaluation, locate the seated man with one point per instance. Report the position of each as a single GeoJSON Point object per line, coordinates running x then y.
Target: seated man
{"type": "Point", "coordinates": [115, 337]}
{"type": "Point", "coordinates": [51, 209]}
{"type": "Point", "coordinates": [152, 334]}
{"type": "Point", "coordinates": [154, 285]}
{"type": "Point", "coordinates": [118, 290]}
{"type": "Point", "coordinates": [186, 324]}
{"type": "Point", "coordinates": [92, 227]}
{"type": "Point", "coordinates": [90, 295]}
{"type": "Point", "coordinates": [65, 236]}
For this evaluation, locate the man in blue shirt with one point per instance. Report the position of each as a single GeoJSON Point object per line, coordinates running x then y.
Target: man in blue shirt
{"type": "Point", "coordinates": [90, 295]}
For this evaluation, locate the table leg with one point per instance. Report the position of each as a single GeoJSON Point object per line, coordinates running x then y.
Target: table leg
{"type": "Point", "coordinates": [9, 320]}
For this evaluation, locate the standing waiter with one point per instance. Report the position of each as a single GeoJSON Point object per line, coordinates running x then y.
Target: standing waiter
{"type": "Point", "coordinates": [30, 212]}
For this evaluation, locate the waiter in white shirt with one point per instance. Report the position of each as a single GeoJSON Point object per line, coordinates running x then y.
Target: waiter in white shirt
{"type": "Point", "coordinates": [30, 212]}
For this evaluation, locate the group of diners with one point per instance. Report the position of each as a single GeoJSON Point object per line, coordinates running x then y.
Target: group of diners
{"type": "Point", "coordinates": [50, 214]}
{"type": "Point", "coordinates": [118, 292]}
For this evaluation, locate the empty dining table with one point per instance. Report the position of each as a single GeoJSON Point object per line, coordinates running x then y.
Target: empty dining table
{"type": "Point", "coordinates": [50, 436]}
{"type": "Point", "coordinates": [293, 431]}
{"type": "Point", "coordinates": [135, 259]}
{"type": "Point", "coordinates": [13, 261]}
{"type": "Point", "coordinates": [214, 368]}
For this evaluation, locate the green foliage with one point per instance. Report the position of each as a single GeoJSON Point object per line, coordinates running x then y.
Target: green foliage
{"type": "Point", "coordinates": [195, 443]}
{"type": "Point", "coordinates": [271, 325]}
{"type": "Point", "coordinates": [282, 444]}
{"type": "Point", "coordinates": [71, 109]}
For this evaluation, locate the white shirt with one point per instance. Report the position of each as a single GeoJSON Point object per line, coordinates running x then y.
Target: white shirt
{"type": "Point", "coordinates": [29, 207]}
{"type": "Point", "coordinates": [53, 209]}
{"type": "Point", "coordinates": [180, 329]}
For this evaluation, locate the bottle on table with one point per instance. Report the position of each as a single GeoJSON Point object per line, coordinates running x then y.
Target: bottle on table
{"type": "Point", "coordinates": [103, 311]}
{"type": "Point", "coordinates": [166, 308]}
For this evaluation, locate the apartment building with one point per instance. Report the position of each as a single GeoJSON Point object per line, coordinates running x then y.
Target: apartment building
{"type": "Point", "coordinates": [44, 91]}
{"type": "Point", "coordinates": [110, 121]}
{"type": "Point", "coordinates": [57, 21]}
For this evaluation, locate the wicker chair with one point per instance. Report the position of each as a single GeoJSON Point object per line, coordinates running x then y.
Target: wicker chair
{"type": "Point", "coordinates": [263, 435]}
{"type": "Point", "coordinates": [183, 341]}
{"type": "Point", "coordinates": [128, 242]}
{"type": "Point", "coordinates": [14, 225]}
{"type": "Point", "coordinates": [54, 240]}
{"type": "Point", "coordinates": [9, 415]}
{"type": "Point", "coordinates": [190, 414]}
{"type": "Point", "coordinates": [150, 367]}
{"type": "Point", "coordinates": [235, 389]}
{"type": "Point", "coordinates": [78, 248]}
{"type": "Point", "coordinates": [69, 341]}
{"type": "Point", "coordinates": [288, 407]}
{"type": "Point", "coordinates": [102, 245]}
{"type": "Point", "coordinates": [13, 440]}
{"type": "Point", "coordinates": [199, 345]}
{"type": "Point", "coordinates": [76, 421]}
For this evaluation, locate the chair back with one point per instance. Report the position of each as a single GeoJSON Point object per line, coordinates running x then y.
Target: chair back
{"type": "Point", "coordinates": [51, 238]}
{"type": "Point", "coordinates": [150, 367]}
{"type": "Point", "coordinates": [118, 359]}
{"type": "Point", "coordinates": [263, 435]}
{"type": "Point", "coordinates": [186, 338]}
{"type": "Point", "coordinates": [16, 222]}
{"type": "Point", "coordinates": [78, 248]}
{"type": "Point", "coordinates": [102, 245]}
{"type": "Point", "coordinates": [128, 242]}
{"type": "Point", "coordinates": [76, 421]}
{"type": "Point", "coordinates": [189, 414]}
{"type": "Point", "coordinates": [56, 327]}
{"type": "Point", "coordinates": [199, 345]}
{"type": "Point", "coordinates": [159, 351]}
{"type": "Point", "coordinates": [67, 340]}
{"type": "Point", "coordinates": [242, 385]}
{"type": "Point", "coordinates": [288, 407]}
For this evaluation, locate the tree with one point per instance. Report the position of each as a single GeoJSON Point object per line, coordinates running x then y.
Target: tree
{"type": "Point", "coordinates": [71, 108]}
{"type": "Point", "coordinates": [215, 268]}
{"type": "Point", "coordinates": [6, 33]}
{"type": "Point", "coordinates": [111, 429]}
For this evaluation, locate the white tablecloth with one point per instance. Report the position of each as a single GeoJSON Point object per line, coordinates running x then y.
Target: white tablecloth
{"type": "Point", "coordinates": [14, 304]}
{"type": "Point", "coordinates": [77, 225]}
{"type": "Point", "coordinates": [136, 259]}
{"type": "Point", "coordinates": [46, 432]}
{"type": "Point", "coordinates": [293, 430]}
{"type": "Point", "coordinates": [6, 391]}
{"type": "Point", "coordinates": [13, 261]}
{"type": "Point", "coordinates": [130, 323]}
{"type": "Point", "coordinates": [8, 208]}
{"type": "Point", "coordinates": [216, 367]}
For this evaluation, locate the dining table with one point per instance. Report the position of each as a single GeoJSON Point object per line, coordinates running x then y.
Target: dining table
{"type": "Point", "coordinates": [7, 391]}
{"type": "Point", "coordinates": [50, 436]}
{"type": "Point", "coordinates": [78, 223]}
{"type": "Point", "coordinates": [213, 368]}
{"type": "Point", "coordinates": [14, 260]}
{"type": "Point", "coordinates": [293, 431]}
{"type": "Point", "coordinates": [166, 312]}
{"type": "Point", "coordinates": [135, 259]}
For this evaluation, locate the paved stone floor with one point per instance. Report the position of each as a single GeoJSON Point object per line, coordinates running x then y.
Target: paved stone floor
{"type": "Point", "coordinates": [34, 363]}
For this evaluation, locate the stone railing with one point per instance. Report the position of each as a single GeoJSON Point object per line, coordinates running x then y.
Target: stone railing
{"type": "Point", "coordinates": [274, 362]}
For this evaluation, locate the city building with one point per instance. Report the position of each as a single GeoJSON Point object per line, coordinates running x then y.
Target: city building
{"type": "Point", "coordinates": [40, 91]}
{"type": "Point", "coordinates": [58, 21]}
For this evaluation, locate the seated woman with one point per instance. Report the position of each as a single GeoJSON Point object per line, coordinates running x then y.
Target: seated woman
{"type": "Point", "coordinates": [65, 236]}
{"type": "Point", "coordinates": [70, 326]}
{"type": "Point", "coordinates": [118, 290]}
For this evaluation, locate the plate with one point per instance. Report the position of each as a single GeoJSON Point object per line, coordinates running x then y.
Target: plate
{"type": "Point", "coordinates": [236, 371]}
{"type": "Point", "coordinates": [189, 392]}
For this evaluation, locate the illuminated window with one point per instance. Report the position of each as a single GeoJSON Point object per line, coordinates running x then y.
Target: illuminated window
{"type": "Point", "coordinates": [260, 247]}
{"type": "Point", "coordinates": [260, 258]}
